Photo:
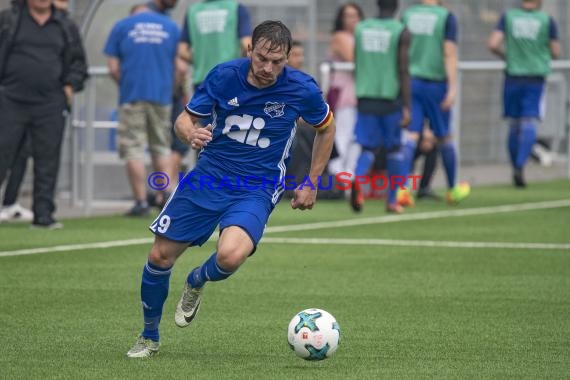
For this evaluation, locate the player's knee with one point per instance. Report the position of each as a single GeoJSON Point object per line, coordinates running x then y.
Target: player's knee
{"type": "Point", "coordinates": [231, 258]}
{"type": "Point", "coordinates": [160, 257]}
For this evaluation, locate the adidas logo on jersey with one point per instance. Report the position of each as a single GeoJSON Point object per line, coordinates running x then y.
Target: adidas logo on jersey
{"type": "Point", "coordinates": [233, 102]}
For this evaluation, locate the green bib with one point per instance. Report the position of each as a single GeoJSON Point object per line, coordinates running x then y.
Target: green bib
{"type": "Point", "coordinates": [427, 26]}
{"type": "Point", "coordinates": [527, 43]}
{"type": "Point", "coordinates": [376, 58]}
{"type": "Point", "coordinates": [213, 34]}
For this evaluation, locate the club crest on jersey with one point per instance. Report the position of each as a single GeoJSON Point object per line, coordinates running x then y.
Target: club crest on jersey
{"type": "Point", "coordinates": [273, 109]}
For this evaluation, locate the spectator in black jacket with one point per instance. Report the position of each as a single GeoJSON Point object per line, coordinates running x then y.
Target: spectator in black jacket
{"type": "Point", "coordinates": [42, 63]}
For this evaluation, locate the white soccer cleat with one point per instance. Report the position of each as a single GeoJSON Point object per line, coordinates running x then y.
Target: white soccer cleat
{"type": "Point", "coordinates": [188, 305]}
{"type": "Point", "coordinates": [144, 348]}
{"type": "Point", "coordinates": [15, 213]}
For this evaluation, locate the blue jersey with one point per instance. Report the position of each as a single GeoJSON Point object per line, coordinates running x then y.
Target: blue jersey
{"type": "Point", "coordinates": [253, 129]}
{"type": "Point", "coordinates": [145, 44]}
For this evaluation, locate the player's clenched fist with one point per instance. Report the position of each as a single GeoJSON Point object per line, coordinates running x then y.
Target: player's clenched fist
{"type": "Point", "coordinates": [191, 132]}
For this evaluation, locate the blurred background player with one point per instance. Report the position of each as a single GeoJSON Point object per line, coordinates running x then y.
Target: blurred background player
{"type": "Point", "coordinates": [531, 40]}
{"type": "Point", "coordinates": [433, 67]}
{"type": "Point", "coordinates": [383, 97]}
{"type": "Point", "coordinates": [42, 63]}
{"type": "Point", "coordinates": [214, 31]}
{"type": "Point", "coordinates": [142, 63]}
{"type": "Point", "coordinates": [341, 96]}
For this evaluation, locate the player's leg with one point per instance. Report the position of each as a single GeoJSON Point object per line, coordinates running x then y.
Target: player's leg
{"type": "Point", "coordinates": [512, 111]}
{"type": "Point", "coordinates": [368, 135]}
{"type": "Point", "coordinates": [412, 134]}
{"type": "Point", "coordinates": [159, 142]}
{"type": "Point", "coordinates": [11, 209]}
{"type": "Point", "coordinates": [241, 226]}
{"type": "Point", "coordinates": [530, 116]}
{"type": "Point", "coordinates": [440, 120]}
{"type": "Point", "coordinates": [427, 148]}
{"type": "Point", "coordinates": [411, 137]}
{"type": "Point", "coordinates": [180, 224]}
{"type": "Point", "coordinates": [13, 124]}
{"type": "Point", "coordinates": [47, 136]}
{"type": "Point", "coordinates": [513, 140]}
{"type": "Point", "coordinates": [131, 136]}
{"type": "Point", "coordinates": [154, 291]}
{"type": "Point", "coordinates": [232, 249]}
{"type": "Point", "coordinates": [395, 161]}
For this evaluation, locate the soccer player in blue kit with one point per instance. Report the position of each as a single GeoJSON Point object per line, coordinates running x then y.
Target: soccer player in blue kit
{"type": "Point", "coordinates": [253, 105]}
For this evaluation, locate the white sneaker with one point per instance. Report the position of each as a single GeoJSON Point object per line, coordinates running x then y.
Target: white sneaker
{"type": "Point", "coordinates": [143, 348]}
{"type": "Point", "coordinates": [188, 305]}
{"type": "Point", "coordinates": [15, 213]}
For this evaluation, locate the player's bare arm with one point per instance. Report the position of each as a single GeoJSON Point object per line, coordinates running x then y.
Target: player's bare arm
{"type": "Point", "coordinates": [555, 49]}
{"type": "Point", "coordinates": [114, 66]}
{"type": "Point", "coordinates": [495, 44]}
{"type": "Point", "coordinates": [450, 58]}
{"type": "Point", "coordinates": [190, 132]}
{"type": "Point", "coordinates": [305, 198]}
{"type": "Point", "coordinates": [184, 52]}
{"type": "Point", "coordinates": [404, 74]}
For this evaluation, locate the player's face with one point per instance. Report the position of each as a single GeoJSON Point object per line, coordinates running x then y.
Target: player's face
{"type": "Point", "coordinates": [296, 57]}
{"type": "Point", "coordinates": [266, 63]}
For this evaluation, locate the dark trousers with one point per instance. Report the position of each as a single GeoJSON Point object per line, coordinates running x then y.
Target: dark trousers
{"type": "Point", "coordinates": [17, 172]}
{"type": "Point", "coordinates": [44, 125]}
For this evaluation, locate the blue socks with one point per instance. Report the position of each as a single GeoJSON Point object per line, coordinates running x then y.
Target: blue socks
{"type": "Point", "coordinates": [449, 163]}
{"type": "Point", "coordinates": [513, 141]}
{"type": "Point", "coordinates": [208, 271]}
{"type": "Point", "coordinates": [154, 290]}
{"type": "Point", "coordinates": [409, 151]}
{"type": "Point", "coordinates": [526, 139]}
{"type": "Point", "coordinates": [365, 162]}
{"type": "Point", "coordinates": [396, 168]}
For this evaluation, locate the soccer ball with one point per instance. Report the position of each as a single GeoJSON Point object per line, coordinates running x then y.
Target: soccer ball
{"type": "Point", "coordinates": [313, 334]}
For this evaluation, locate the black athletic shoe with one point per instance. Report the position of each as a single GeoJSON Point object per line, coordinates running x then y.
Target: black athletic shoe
{"type": "Point", "coordinates": [47, 223]}
{"type": "Point", "coordinates": [518, 179]}
{"type": "Point", "coordinates": [138, 210]}
{"type": "Point", "coordinates": [356, 198]}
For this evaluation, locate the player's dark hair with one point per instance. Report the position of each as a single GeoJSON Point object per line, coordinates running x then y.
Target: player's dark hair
{"type": "Point", "coordinates": [295, 43]}
{"type": "Point", "coordinates": [338, 23]}
{"type": "Point", "coordinates": [387, 5]}
{"type": "Point", "coordinates": [273, 32]}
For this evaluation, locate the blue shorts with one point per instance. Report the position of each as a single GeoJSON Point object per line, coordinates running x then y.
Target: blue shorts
{"type": "Point", "coordinates": [522, 99]}
{"type": "Point", "coordinates": [192, 214]}
{"type": "Point", "coordinates": [374, 131]}
{"type": "Point", "coordinates": [426, 104]}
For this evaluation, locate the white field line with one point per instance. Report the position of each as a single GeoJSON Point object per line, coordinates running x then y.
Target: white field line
{"type": "Point", "coordinates": [74, 247]}
{"type": "Point", "coordinates": [415, 243]}
{"type": "Point", "coordinates": [333, 224]}
{"type": "Point", "coordinates": [421, 216]}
